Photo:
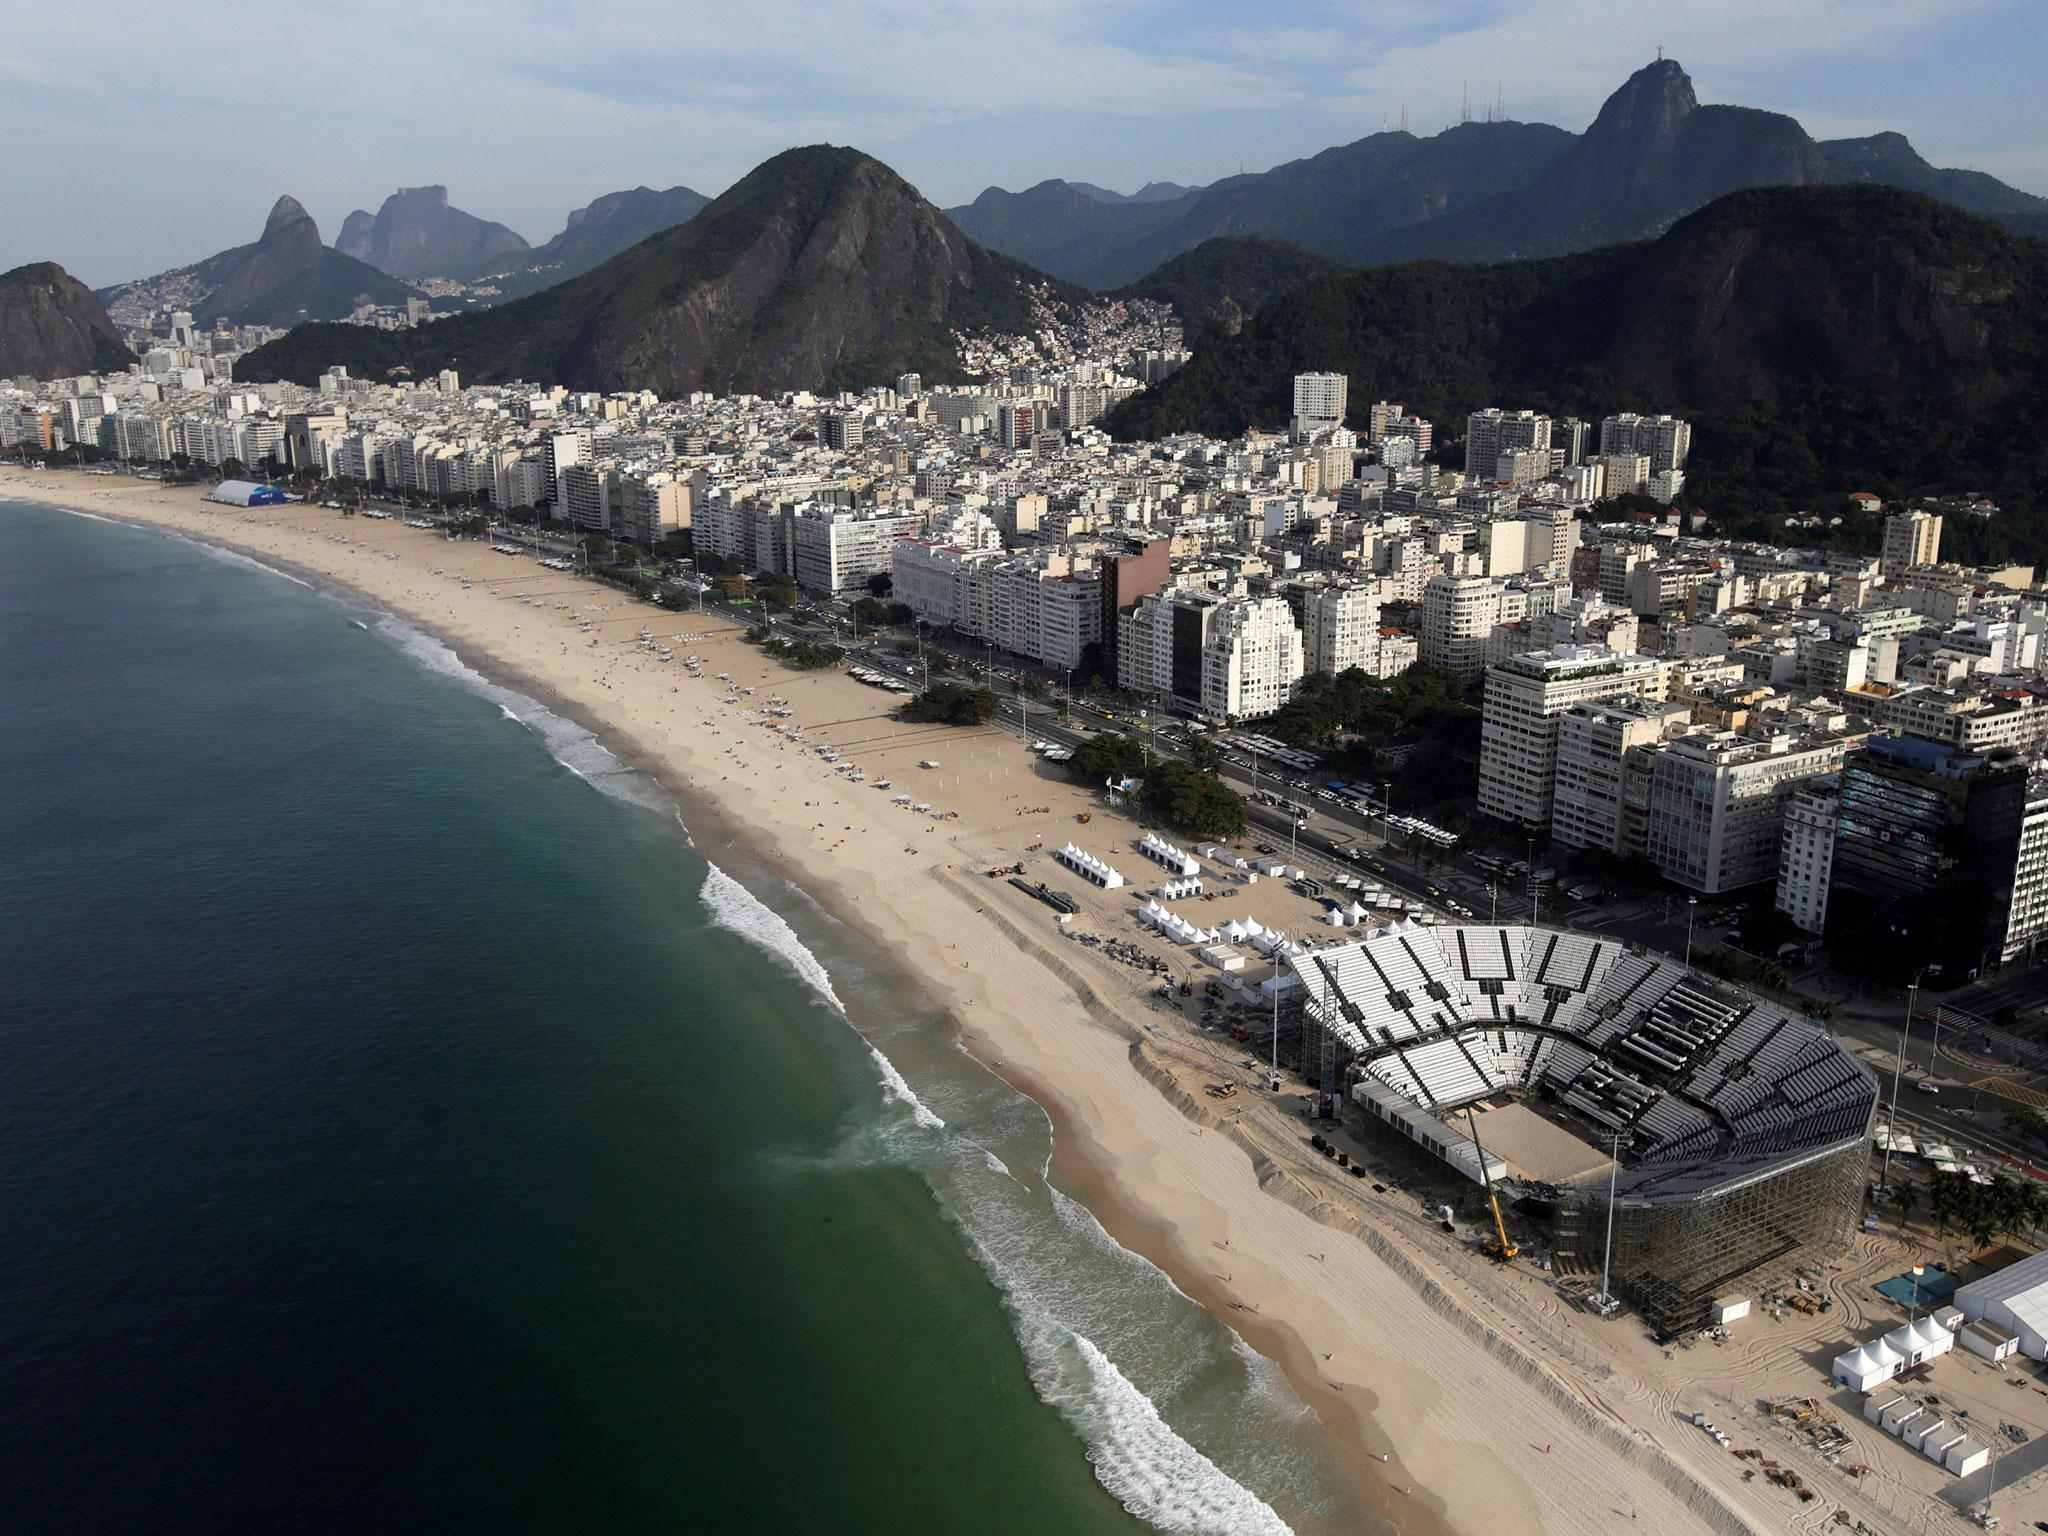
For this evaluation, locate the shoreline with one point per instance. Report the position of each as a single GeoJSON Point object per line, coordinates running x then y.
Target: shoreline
{"type": "Point", "coordinates": [1160, 1198]}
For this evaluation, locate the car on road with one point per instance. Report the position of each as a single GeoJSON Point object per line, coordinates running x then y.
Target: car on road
{"type": "Point", "coordinates": [1923, 1086]}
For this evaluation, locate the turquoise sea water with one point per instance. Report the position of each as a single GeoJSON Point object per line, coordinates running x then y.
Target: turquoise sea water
{"type": "Point", "coordinates": [404, 1128]}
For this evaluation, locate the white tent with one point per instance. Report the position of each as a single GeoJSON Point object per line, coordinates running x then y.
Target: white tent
{"type": "Point", "coordinates": [1860, 1370]}
{"type": "Point", "coordinates": [1922, 1339]}
{"type": "Point", "coordinates": [1236, 931]}
{"type": "Point", "coordinates": [2016, 1299]}
{"type": "Point", "coordinates": [1358, 912]}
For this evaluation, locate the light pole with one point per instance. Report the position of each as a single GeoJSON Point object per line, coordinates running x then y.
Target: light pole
{"type": "Point", "coordinates": [1692, 904]}
{"type": "Point", "coordinates": [1884, 1178]}
{"type": "Point", "coordinates": [1991, 1490]}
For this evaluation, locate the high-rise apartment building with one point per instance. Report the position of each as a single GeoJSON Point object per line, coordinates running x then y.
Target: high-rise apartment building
{"type": "Point", "coordinates": [560, 451]}
{"type": "Point", "coordinates": [1233, 658]}
{"type": "Point", "coordinates": [1458, 616]}
{"type": "Point", "coordinates": [1518, 727]}
{"type": "Point", "coordinates": [1598, 744]}
{"type": "Point", "coordinates": [652, 505]}
{"type": "Point", "coordinates": [1493, 432]}
{"type": "Point", "coordinates": [1319, 400]}
{"type": "Point", "coordinates": [1910, 539]}
{"type": "Point", "coordinates": [1340, 629]}
{"type": "Point", "coordinates": [843, 431]}
{"type": "Point", "coordinates": [1717, 805]}
{"type": "Point", "coordinates": [582, 489]}
{"type": "Point", "coordinates": [1806, 851]}
{"type": "Point", "coordinates": [1253, 660]}
{"type": "Point", "coordinates": [1665, 441]}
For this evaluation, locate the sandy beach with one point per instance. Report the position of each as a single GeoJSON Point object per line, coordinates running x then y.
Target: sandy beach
{"type": "Point", "coordinates": [1467, 1399]}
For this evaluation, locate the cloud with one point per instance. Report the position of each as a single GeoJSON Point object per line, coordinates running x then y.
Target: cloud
{"type": "Point", "coordinates": [525, 109]}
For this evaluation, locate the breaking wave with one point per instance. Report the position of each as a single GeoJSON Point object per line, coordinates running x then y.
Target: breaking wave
{"type": "Point", "coordinates": [567, 742]}
{"type": "Point", "coordinates": [738, 910]}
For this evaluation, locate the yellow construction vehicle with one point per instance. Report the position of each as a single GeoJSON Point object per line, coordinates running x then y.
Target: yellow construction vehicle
{"type": "Point", "coordinates": [1224, 1090]}
{"type": "Point", "coordinates": [1499, 1245]}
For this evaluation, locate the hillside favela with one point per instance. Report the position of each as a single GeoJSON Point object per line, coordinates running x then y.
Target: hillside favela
{"type": "Point", "coordinates": [1359, 847]}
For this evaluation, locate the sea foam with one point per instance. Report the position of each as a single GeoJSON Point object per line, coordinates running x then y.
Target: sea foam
{"type": "Point", "coordinates": [738, 910]}
{"type": "Point", "coordinates": [1151, 1469]}
{"type": "Point", "coordinates": [567, 742]}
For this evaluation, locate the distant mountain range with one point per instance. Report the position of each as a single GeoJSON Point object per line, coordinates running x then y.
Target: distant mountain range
{"type": "Point", "coordinates": [52, 326]}
{"type": "Point", "coordinates": [596, 233]}
{"type": "Point", "coordinates": [1820, 338]}
{"type": "Point", "coordinates": [820, 269]}
{"type": "Point", "coordinates": [282, 277]}
{"type": "Point", "coordinates": [416, 234]}
{"type": "Point", "coordinates": [1479, 191]}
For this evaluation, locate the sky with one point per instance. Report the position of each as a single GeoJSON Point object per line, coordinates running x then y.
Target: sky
{"type": "Point", "coordinates": [146, 134]}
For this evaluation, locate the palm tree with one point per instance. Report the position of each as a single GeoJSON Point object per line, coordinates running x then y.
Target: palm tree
{"type": "Point", "coordinates": [1907, 1197]}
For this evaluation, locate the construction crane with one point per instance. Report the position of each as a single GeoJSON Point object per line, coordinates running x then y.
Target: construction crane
{"type": "Point", "coordinates": [1499, 1245]}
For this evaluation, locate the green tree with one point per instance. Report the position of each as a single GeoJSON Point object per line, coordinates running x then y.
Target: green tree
{"type": "Point", "coordinates": [1192, 802]}
{"type": "Point", "coordinates": [1108, 756]}
{"type": "Point", "coordinates": [950, 704]}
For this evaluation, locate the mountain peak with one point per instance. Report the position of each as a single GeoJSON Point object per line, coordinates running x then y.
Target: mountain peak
{"type": "Point", "coordinates": [417, 234]}
{"type": "Point", "coordinates": [1650, 104]}
{"type": "Point", "coordinates": [819, 269]}
{"type": "Point", "coordinates": [284, 213]}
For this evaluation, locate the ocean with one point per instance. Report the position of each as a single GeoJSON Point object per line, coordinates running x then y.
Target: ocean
{"type": "Point", "coordinates": [405, 1128]}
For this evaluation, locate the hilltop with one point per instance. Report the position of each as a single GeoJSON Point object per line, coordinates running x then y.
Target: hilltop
{"type": "Point", "coordinates": [51, 326]}
{"type": "Point", "coordinates": [1817, 337]}
{"type": "Point", "coordinates": [282, 277]}
{"type": "Point", "coordinates": [821, 268]}
{"type": "Point", "coordinates": [415, 233]}
{"type": "Point", "coordinates": [1483, 191]}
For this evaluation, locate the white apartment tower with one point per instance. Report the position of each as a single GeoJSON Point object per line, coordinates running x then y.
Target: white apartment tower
{"type": "Point", "coordinates": [1717, 805]}
{"type": "Point", "coordinates": [1597, 746]}
{"type": "Point", "coordinates": [1806, 851]}
{"type": "Point", "coordinates": [1665, 441]}
{"type": "Point", "coordinates": [1341, 629]}
{"type": "Point", "coordinates": [1518, 726]}
{"type": "Point", "coordinates": [1319, 400]}
{"type": "Point", "coordinates": [1252, 661]}
{"type": "Point", "coordinates": [1458, 615]}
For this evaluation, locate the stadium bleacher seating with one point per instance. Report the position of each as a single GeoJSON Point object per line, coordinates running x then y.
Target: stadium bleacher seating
{"type": "Point", "coordinates": [1683, 1071]}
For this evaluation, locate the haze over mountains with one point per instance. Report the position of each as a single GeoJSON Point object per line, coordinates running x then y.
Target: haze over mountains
{"type": "Point", "coordinates": [820, 268]}
{"type": "Point", "coordinates": [595, 233]}
{"type": "Point", "coordinates": [417, 234]}
{"type": "Point", "coordinates": [282, 277]}
{"type": "Point", "coordinates": [1480, 191]}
